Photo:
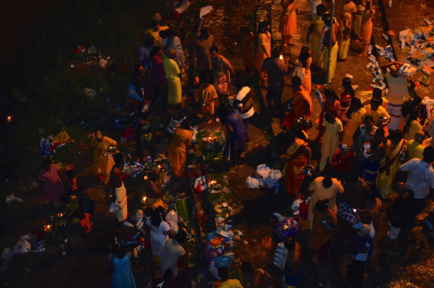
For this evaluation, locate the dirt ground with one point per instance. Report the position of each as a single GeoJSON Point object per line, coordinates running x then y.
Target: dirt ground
{"type": "Point", "coordinates": [87, 268]}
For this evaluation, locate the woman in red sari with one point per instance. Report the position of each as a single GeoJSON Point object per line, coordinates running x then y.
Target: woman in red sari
{"type": "Point", "coordinates": [298, 155]}
{"type": "Point", "coordinates": [332, 105]}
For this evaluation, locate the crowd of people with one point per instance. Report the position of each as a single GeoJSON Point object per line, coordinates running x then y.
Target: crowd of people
{"type": "Point", "coordinates": [375, 154]}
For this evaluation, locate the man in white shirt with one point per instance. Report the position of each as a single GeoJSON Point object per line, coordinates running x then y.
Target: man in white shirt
{"type": "Point", "coordinates": [420, 180]}
{"type": "Point", "coordinates": [172, 251]}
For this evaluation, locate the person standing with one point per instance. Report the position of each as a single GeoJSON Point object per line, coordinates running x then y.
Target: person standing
{"type": "Point", "coordinates": [182, 138]}
{"type": "Point", "coordinates": [352, 118]}
{"type": "Point", "coordinates": [207, 95]}
{"type": "Point", "coordinates": [324, 223]}
{"type": "Point", "coordinates": [349, 7]}
{"type": "Point", "coordinates": [389, 165]}
{"type": "Point", "coordinates": [102, 160]}
{"type": "Point", "coordinates": [313, 5]}
{"type": "Point", "coordinates": [346, 96]}
{"type": "Point", "coordinates": [201, 55]}
{"type": "Point", "coordinates": [363, 134]}
{"type": "Point", "coordinates": [175, 43]}
{"type": "Point", "coordinates": [379, 114]}
{"type": "Point", "coordinates": [223, 73]}
{"type": "Point", "coordinates": [324, 188]}
{"type": "Point", "coordinates": [160, 232]}
{"type": "Point", "coordinates": [263, 49]}
{"type": "Point", "coordinates": [298, 156]}
{"type": "Point", "coordinates": [52, 188]}
{"type": "Point", "coordinates": [158, 76]}
{"type": "Point", "coordinates": [357, 22]}
{"type": "Point", "coordinates": [288, 21]}
{"type": "Point", "coordinates": [145, 56]}
{"type": "Point", "coordinates": [398, 92]}
{"type": "Point", "coordinates": [344, 42]}
{"type": "Point", "coordinates": [356, 270]}
{"type": "Point", "coordinates": [236, 133]}
{"type": "Point", "coordinates": [141, 93]}
{"type": "Point", "coordinates": [276, 69]}
{"type": "Point", "coordinates": [155, 33]}
{"type": "Point", "coordinates": [172, 251]}
{"type": "Point", "coordinates": [248, 49]}
{"type": "Point", "coordinates": [366, 28]}
{"type": "Point", "coordinates": [244, 104]}
{"type": "Point", "coordinates": [324, 46]}
{"type": "Point", "coordinates": [316, 28]}
{"type": "Point", "coordinates": [415, 147]}
{"type": "Point", "coordinates": [420, 180]}
{"type": "Point", "coordinates": [293, 270]}
{"type": "Point", "coordinates": [118, 187]}
{"type": "Point", "coordinates": [122, 276]}
{"type": "Point", "coordinates": [341, 161]}
{"type": "Point", "coordinates": [412, 125]}
{"type": "Point", "coordinates": [373, 156]}
{"type": "Point", "coordinates": [171, 69]}
{"type": "Point", "coordinates": [304, 63]}
{"type": "Point", "coordinates": [332, 136]}
{"type": "Point", "coordinates": [301, 104]}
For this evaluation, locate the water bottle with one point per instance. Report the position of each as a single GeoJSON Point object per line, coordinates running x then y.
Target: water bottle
{"type": "Point", "coordinates": [428, 224]}
{"type": "Point", "coordinates": [136, 235]}
{"type": "Point", "coordinates": [131, 242]}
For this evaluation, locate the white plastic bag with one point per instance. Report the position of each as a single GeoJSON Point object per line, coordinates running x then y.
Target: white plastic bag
{"type": "Point", "coordinates": [22, 247]}
{"type": "Point", "coordinates": [262, 171]}
{"type": "Point", "coordinates": [273, 178]}
{"type": "Point", "coordinates": [137, 215]}
{"type": "Point", "coordinates": [252, 182]}
{"type": "Point", "coordinates": [114, 207]}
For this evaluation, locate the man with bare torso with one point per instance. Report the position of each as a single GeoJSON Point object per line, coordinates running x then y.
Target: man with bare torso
{"type": "Point", "coordinates": [118, 189]}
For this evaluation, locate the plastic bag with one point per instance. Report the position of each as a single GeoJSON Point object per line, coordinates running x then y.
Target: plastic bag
{"type": "Point", "coordinates": [114, 207]}
{"type": "Point", "coordinates": [286, 228]}
{"type": "Point", "coordinates": [211, 253]}
{"type": "Point", "coordinates": [273, 178]}
{"type": "Point", "coordinates": [224, 260]}
{"type": "Point", "coordinates": [138, 214]}
{"type": "Point", "coordinates": [172, 218]}
{"type": "Point", "coordinates": [252, 182]}
{"type": "Point", "coordinates": [22, 247]}
{"type": "Point", "coordinates": [262, 171]}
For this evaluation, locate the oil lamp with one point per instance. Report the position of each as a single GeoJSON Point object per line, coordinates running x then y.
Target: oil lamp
{"type": "Point", "coordinates": [9, 118]}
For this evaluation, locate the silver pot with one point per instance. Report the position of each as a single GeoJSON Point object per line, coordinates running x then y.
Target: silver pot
{"type": "Point", "coordinates": [309, 170]}
{"type": "Point", "coordinates": [403, 156]}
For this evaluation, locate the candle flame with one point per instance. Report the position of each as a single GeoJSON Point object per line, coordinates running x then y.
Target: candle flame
{"type": "Point", "coordinates": [281, 57]}
{"type": "Point", "coordinates": [9, 118]}
{"type": "Point", "coordinates": [146, 177]}
{"type": "Point", "coordinates": [144, 199]}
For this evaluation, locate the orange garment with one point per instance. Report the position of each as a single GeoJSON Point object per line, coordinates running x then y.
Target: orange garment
{"type": "Point", "coordinates": [248, 50]}
{"type": "Point", "coordinates": [301, 98]}
{"type": "Point", "coordinates": [288, 20]}
{"type": "Point", "coordinates": [264, 39]}
{"type": "Point", "coordinates": [366, 28]}
{"type": "Point", "coordinates": [296, 157]}
{"type": "Point", "coordinates": [207, 96]}
{"type": "Point", "coordinates": [319, 237]}
{"type": "Point", "coordinates": [178, 150]}
{"type": "Point", "coordinates": [85, 223]}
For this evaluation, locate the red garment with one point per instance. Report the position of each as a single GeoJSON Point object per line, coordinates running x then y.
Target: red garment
{"type": "Point", "coordinates": [158, 75]}
{"type": "Point", "coordinates": [345, 103]}
{"type": "Point", "coordinates": [73, 184]}
{"type": "Point", "coordinates": [342, 164]}
{"type": "Point", "coordinates": [86, 224]}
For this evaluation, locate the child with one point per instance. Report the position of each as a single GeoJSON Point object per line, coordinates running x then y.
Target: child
{"type": "Point", "coordinates": [397, 214]}
{"type": "Point", "coordinates": [207, 94]}
{"type": "Point", "coordinates": [85, 223]}
{"type": "Point", "coordinates": [72, 204]}
{"type": "Point", "coordinates": [72, 182]}
{"type": "Point", "coordinates": [357, 243]}
{"type": "Point", "coordinates": [85, 204]}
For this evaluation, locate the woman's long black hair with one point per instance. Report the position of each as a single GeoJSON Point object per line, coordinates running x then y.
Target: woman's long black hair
{"type": "Point", "coordinates": [354, 101]}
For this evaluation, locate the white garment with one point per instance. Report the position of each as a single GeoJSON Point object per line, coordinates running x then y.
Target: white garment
{"type": "Point", "coordinates": [240, 96]}
{"type": "Point", "coordinates": [393, 232]}
{"type": "Point", "coordinates": [158, 239]}
{"type": "Point", "coordinates": [398, 88]}
{"type": "Point", "coordinates": [395, 113]}
{"type": "Point", "coordinates": [175, 44]}
{"type": "Point", "coordinates": [421, 177]}
{"type": "Point", "coordinates": [170, 254]}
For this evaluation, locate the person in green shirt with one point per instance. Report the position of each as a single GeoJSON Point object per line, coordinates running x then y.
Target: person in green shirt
{"type": "Point", "coordinates": [226, 282]}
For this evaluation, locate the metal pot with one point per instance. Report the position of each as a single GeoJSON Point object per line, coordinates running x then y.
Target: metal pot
{"type": "Point", "coordinates": [308, 170]}
{"type": "Point", "coordinates": [404, 157]}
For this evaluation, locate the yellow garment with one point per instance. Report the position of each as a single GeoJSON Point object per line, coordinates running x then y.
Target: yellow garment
{"type": "Point", "coordinates": [231, 283]}
{"type": "Point", "coordinates": [263, 40]}
{"type": "Point", "coordinates": [381, 112]}
{"type": "Point", "coordinates": [307, 79]}
{"type": "Point", "coordinates": [321, 193]}
{"type": "Point", "coordinates": [352, 125]}
{"type": "Point", "coordinates": [330, 142]}
{"type": "Point", "coordinates": [357, 23]}
{"type": "Point", "coordinates": [173, 81]}
{"type": "Point", "coordinates": [156, 35]}
{"type": "Point", "coordinates": [178, 150]}
{"type": "Point", "coordinates": [414, 127]}
{"type": "Point", "coordinates": [317, 57]}
{"type": "Point", "coordinates": [73, 205]}
{"type": "Point", "coordinates": [344, 46]}
{"type": "Point", "coordinates": [62, 137]}
{"type": "Point", "coordinates": [102, 164]}
{"type": "Point", "coordinates": [384, 181]}
{"type": "Point", "coordinates": [334, 59]}
{"type": "Point", "coordinates": [415, 149]}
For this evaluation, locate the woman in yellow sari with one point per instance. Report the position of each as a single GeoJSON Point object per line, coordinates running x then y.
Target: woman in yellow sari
{"type": "Point", "coordinates": [316, 28]}
{"type": "Point", "coordinates": [298, 155]}
{"type": "Point", "coordinates": [102, 161]}
{"type": "Point", "coordinates": [182, 138]}
{"type": "Point", "coordinates": [390, 163]}
{"type": "Point", "coordinates": [357, 24]}
{"type": "Point", "coordinates": [353, 118]}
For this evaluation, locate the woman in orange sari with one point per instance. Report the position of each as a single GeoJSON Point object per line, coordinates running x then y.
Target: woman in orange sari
{"type": "Point", "coordinates": [182, 138]}
{"type": "Point", "coordinates": [288, 21]}
{"type": "Point", "coordinates": [298, 155]}
{"type": "Point", "coordinates": [366, 28]}
{"type": "Point", "coordinates": [301, 104]}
